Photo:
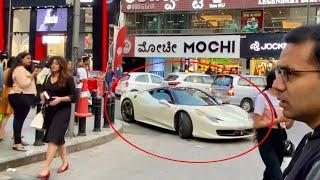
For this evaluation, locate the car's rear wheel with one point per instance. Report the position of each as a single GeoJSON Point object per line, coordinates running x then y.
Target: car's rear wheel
{"type": "Point", "coordinates": [247, 105]}
{"type": "Point", "coordinates": [185, 127]}
{"type": "Point", "coordinates": [127, 111]}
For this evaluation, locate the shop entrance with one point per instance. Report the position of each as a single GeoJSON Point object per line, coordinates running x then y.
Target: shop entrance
{"type": "Point", "coordinates": [56, 46]}
{"type": "Point", "coordinates": [50, 45]}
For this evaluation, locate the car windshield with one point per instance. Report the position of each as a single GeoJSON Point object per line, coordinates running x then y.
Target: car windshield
{"type": "Point", "coordinates": [193, 97]}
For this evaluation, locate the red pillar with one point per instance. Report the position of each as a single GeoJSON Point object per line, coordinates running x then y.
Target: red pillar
{"type": "Point", "coordinates": [105, 36]}
{"type": "Point", "coordinates": [2, 34]}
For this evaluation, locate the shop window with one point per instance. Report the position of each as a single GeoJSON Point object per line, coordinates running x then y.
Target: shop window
{"type": "Point", "coordinates": [176, 23]}
{"type": "Point", "coordinates": [20, 43]}
{"type": "Point", "coordinates": [85, 41]}
{"type": "Point", "coordinates": [217, 21]}
{"type": "Point", "coordinates": [86, 19]}
{"type": "Point", "coordinates": [284, 19]}
{"type": "Point", "coordinates": [21, 21]}
{"type": "Point", "coordinates": [251, 21]}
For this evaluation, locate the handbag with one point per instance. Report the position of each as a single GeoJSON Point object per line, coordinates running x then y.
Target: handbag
{"type": "Point", "coordinates": [288, 146]}
{"type": "Point", "coordinates": [38, 121]}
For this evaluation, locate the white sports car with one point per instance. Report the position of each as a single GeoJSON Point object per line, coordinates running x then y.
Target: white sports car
{"type": "Point", "coordinates": [189, 111]}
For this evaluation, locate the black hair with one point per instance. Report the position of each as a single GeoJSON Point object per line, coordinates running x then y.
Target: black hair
{"type": "Point", "coordinates": [3, 55]}
{"type": "Point", "coordinates": [304, 34]}
{"type": "Point", "coordinates": [85, 58]}
{"type": "Point", "coordinates": [10, 62]}
{"type": "Point", "coordinates": [271, 76]}
{"type": "Point", "coordinates": [18, 62]}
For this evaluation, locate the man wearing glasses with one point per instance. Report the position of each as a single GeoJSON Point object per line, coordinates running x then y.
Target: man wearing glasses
{"type": "Point", "coordinates": [298, 89]}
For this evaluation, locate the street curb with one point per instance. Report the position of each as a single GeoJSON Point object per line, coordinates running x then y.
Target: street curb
{"type": "Point", "coordinates": [76, 144]}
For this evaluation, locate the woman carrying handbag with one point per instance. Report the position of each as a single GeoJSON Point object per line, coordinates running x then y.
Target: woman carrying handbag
{"type": "Point", "coordinates": [272, 149]}
{"type": "Point", "coordinates": [58, 93]}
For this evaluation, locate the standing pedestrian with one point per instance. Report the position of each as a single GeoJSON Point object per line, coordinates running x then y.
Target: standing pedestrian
{"type": "Point", "coordinates": [109, 77]}
{"type": "Point", "coordinates": [297, 86]}
{"type": "Point", "coordinates": [271, 151]}
{"type": "Point", "coordinates": [61, 90]}
{"type": "Point", "coordinates": [5, 108]}
{"type": "Point", "coordinates": [22, 94]}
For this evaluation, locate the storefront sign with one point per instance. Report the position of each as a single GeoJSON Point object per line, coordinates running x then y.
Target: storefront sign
{"type": "Point", "coordinates": [256, 46]}
{"type": "Point", "coordinates": [262, 45]}
{"type": "Point", "coordinates": [149, 4]}
{"type": "Point", "coordinates": [227, 46]}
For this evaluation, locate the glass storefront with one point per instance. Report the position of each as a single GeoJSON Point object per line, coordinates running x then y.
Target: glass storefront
{"type": "Point", "coordinates": [284, 19]}
{"type": "Point", "coordinates": [261, 66]}
{"type": "Point", "coordinates": [222, 21]}
{"type": "Point", "coordinates": [20, 31]}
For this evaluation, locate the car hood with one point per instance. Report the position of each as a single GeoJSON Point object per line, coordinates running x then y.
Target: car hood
{"type": "Point", "coordinates": [227, 113]}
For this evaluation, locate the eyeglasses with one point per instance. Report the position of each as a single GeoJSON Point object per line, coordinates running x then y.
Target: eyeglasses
{"type": "Point", "coordinates": [286, 73]}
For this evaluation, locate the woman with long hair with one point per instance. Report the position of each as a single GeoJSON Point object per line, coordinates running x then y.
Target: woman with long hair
{"type": "Point", "coordinates": [60, 91]}
{"type": "Point", "coordinates": [5, 108]}
{"type": "Point", "coordinates": [22, 94]}
{"type": "Point", "coordinates": [271, 150]}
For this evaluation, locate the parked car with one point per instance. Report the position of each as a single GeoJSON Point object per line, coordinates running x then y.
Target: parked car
{"type": "Point", "coordinates": [138, 81]}
{"type": "Point", "coordinates": [192, 80]}
{"type": "Point", "coordinates": [189, 111]}
{"type": "Point", "coordinates": [237, 91]}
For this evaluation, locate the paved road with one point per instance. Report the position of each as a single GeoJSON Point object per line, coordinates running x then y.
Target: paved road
{"type": "Point", "coordinates": [118, 160]}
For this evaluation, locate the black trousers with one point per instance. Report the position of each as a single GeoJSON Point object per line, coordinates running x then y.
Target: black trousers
{"type": "Point", "coordinates": [21, 105]}
{"type": "Point", "coordinates": [271, 152]}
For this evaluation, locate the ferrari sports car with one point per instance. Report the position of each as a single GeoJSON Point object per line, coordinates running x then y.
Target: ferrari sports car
{"type": "Point", "coordinates": [188, 111]}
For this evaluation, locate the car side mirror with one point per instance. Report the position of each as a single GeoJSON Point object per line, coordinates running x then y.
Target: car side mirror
{"type": "Point", "coordinates": [164, 102]}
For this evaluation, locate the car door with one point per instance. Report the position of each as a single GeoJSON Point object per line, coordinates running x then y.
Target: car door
{"type": "Point", "coordinates": [156, 81]}
{"type": "Point", "coordinates": [241, 90]}
{"type": "Point", "coordinates": [159, 114]}
{"type": "Point", "coordinates": [142, 82]}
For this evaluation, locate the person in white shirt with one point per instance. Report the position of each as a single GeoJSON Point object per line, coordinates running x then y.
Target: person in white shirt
{"type": "Point", "coordinates": [271, 150]}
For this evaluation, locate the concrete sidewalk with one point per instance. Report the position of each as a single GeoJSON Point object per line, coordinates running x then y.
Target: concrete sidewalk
{"type": "Point", "coordinates": [11, 159]}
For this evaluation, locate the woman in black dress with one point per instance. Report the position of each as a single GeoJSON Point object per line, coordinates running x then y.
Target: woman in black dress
{"type": "Point", "coordinates": [61, 90]}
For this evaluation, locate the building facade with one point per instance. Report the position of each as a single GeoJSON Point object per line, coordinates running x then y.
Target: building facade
{"type": "Point", "coordinates": [44, 28]}
{"type": "Point", "coordinates": [226, 34]}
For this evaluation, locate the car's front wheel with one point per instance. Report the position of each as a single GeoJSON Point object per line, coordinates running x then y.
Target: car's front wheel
{"type": "Point", "coordinates": [247, 105]}
{"type": "Point", "coordinates": [127, 111]}
{"type": "Point", "coordinates": [185, 127]}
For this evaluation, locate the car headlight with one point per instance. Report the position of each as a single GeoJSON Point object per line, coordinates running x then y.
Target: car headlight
{"type": "Point", "coordinates": [202, 113]}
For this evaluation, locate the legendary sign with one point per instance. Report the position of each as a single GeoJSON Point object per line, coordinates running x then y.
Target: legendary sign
{"type": "Point", "coordinates": [276, 2]}
{"type": "Point", "coordinates": [188, 46]}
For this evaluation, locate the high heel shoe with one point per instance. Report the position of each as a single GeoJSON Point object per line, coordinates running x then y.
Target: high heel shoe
{"type": "Point", "coordinates": [44, 176]}
{"type": "Point", "coordinates": [60, 170]}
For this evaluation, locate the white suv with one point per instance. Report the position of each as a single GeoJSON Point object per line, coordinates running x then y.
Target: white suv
{"type": "Point", "coordinates": [191, 80]}
{"type": "Point", "coordinates": [138, 81]}
{"type": "Point", "coordinates": [237, 91]}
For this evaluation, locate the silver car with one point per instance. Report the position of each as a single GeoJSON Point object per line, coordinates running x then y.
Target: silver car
{"type": "Point", "coordinates": [236, 90]}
